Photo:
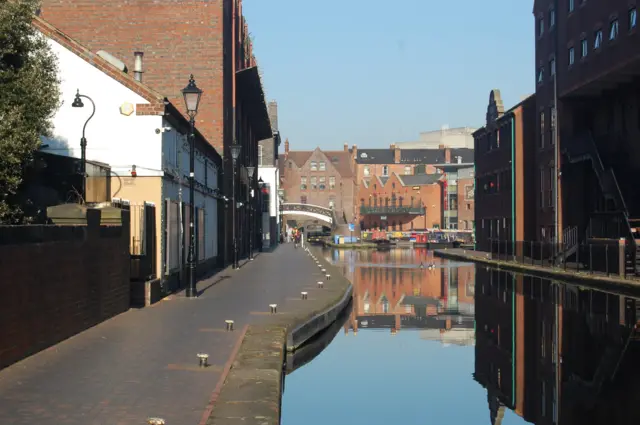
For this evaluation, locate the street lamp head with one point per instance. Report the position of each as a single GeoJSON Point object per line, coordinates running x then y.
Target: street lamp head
{"type": "Point", "coordinates": [77, 102]}
{"type": "Point", "coordinates": [260, 180]}
{"type": "Point", "coordinates": [235, 151]}
{"type": "Point", "coordinates": [251, 171]}
{"type": "Point", "coordinates": [191, 95]}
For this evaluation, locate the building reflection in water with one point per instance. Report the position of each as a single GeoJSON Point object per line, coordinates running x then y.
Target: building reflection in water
{"type": "Point", "coordinates": [391, 291]}
{"type": "Point", "coordinates": [555, 353]}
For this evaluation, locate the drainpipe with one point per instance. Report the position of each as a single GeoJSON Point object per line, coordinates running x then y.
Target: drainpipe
{"type": "Point", "coordinates": [513, 182]}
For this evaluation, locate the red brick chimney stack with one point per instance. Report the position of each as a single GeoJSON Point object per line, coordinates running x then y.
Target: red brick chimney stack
{"type": "Point", "coordinates": [286, 147]}
{"type": "Point", "coordinates": [396, 153]}
{"type": "Point", "coordinates": [447, 155]}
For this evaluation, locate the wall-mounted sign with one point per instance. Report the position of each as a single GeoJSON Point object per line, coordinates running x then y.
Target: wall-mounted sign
{"type": "Point", "coordinates": [416, 188]}
{"type": "Point", "coordinates": [126, 109]}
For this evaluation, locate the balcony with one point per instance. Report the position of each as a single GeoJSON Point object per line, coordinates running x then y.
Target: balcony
{"type": "Point", "coordinates": [392, 210]}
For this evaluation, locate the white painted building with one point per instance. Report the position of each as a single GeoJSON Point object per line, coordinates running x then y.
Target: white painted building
{"type": "Point", "coordinates": [143, 138]}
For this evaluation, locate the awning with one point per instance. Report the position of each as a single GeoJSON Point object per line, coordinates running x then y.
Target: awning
{"type": "Point", "coordinates": [251, 95]}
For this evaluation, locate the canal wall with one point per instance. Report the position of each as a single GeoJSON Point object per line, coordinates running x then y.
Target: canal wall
{"type": "Point", "coordinates": [620, 285]}
{"type": "Point", "coordinates": [252, 391]}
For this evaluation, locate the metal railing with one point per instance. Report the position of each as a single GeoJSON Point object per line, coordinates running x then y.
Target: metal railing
{"type": "Point", "coordinates": [392, 210]}
{"type": "Point", "coordinates": [602, 257]}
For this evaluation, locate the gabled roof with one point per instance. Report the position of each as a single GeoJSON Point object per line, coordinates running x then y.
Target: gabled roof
{"type": "Point", "coordinates": [340, 160]}
{"type": "Point", "coordinates": [422, 156]}
{"type": "Point", "coordinates": [53, 33]}
{"type": "Point", "coordinates": [375, 156]}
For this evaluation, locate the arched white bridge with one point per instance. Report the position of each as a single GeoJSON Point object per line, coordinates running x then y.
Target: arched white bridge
{"type": "Point", "coordinates": [314, 211]}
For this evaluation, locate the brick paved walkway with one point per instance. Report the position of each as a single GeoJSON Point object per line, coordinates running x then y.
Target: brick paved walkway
{"type": "Point", "coordinates": [143, 363]}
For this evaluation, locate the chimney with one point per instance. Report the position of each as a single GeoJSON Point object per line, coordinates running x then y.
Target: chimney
{"type": "Point", "coordinates": [273, 114]}
{"type": "Point", "coordinates": [354, 151]}
{"type": "Point", "coordinates": [459, 159]}
{"type": "Point", "coordinates": [137, 66]}
{"type": "Point", "coordinates": [286, 147]}
{"type": "Point", "coordinates": [447, 155]}
{"type": "Point", "coordinates": [346, 147]}
{"type": "Point", "coordinates": [396, 153]}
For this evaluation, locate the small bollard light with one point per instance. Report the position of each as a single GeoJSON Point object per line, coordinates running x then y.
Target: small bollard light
{"type": "Point", "coordinates": [323, 270]}
{"type": "Point", "coordinates": [203, 359]}
{"type": "Point", "coordinates": [328, 276]}
{"type": "Point", "coordinates": [229, 324]}
{"type": "Point", "coordinates": [274, 308]}
{"type": "Point", "coordinates": [320, 284]}
{"type": "Point", "coordinates": [155, 421]}
{"type": "Point", "coordinates": [304, 295]}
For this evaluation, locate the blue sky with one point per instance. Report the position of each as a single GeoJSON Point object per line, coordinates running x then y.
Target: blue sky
{"type": "Point", "coordinates": [373, 72]}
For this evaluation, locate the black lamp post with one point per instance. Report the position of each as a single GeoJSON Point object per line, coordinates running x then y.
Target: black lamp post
{"type": "Point", "coordinates": [77, 103]}
{"type": "Point", "coordinates": [192, 95]}
{"type": "Point", "coordinates": [235, 153]}
{"type": "Point", "coordinates": [260, 230]}
{"type": "Point", "coordinates": [251, 171]}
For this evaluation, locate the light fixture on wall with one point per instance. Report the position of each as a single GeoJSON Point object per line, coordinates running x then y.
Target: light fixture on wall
{"type": "Point", "coordinates": [134, 173]}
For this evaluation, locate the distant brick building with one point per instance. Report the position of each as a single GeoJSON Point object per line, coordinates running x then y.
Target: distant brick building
{"type": "Point", "coordinates": [323, 178]}
{"type": "Point", "coordinates": [401, 203]}
{"type": "Point", "coordinates": [452, 167]}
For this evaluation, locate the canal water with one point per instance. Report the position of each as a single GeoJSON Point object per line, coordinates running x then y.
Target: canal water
{"type": "Point", "coordinates": [459, 344]}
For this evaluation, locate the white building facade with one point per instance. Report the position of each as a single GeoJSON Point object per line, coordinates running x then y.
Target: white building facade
{"type": "Point", "coordinates": [143, 138]}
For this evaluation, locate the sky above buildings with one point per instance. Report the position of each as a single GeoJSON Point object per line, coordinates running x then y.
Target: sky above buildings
{"type": "Point", "coordinates": [374, 72]}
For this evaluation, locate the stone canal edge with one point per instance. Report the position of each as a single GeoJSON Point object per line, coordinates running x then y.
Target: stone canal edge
{"type": "Point", "coordinates": [254, 382]}
{"type": "Point", "coordinates": [612, 283]}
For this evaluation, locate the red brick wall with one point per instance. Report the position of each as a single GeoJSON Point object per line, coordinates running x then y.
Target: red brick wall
{"type": "Point", "coordinates": [177, 38]}
{"type": "Point", "coordinates": [52, 290]}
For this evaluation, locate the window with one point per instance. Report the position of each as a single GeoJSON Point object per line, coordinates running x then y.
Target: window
{"type": "Point", "coordinates": [614, 29]}
{"type": "Point", "coordinates": [572, 5]}
{"type": "Point", "coordinates": [572, 56]}
{"type": "Point", "coordinates": [540, 27]}
{"type": "Point", "coordinates": [323, 183]}
{"type": "Point", "coordinates": [332, 201]}
{"type": "Point", "coordinates": [303, 199]}
{"type": "Point", "coordinates": [314, 182]}
{"type": "Point", "coordinates": [323, 166]}
{"type": "Point", "coordinates": [633, 18]}
{"type": "Point", "coordinates": [541, 75]}
{"type": "Point", "coordinates": [597, 40]}
{"type": "Point", "coordinates": [314, 166]}
{"type": "Point", "coordinates": [332, 182]}
{"type": "Point", "coordinates": [542, 127]}
{"type": "Point", "coordinates": [552, 18]}
{"type": "Point", "coordinates": [552, 66]}
{"type": "Point", "coordinates": [303, 183]}
{"type": "Point", "coordinates": [385, 170]}
{"type": "Point", "coordinates": [407, 168]}
{"type": "Point", "coordinates": [552, 127]}
{"type": "Point", "coordinates": [260, 155]}
{"type": "Point", "coordinates": [366, 171]}
{"type": "Point", "coordinates": [585, 47]}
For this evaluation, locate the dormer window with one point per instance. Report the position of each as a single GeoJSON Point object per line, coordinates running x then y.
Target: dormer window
{"type": "Point", "coordinates": [541, 75]}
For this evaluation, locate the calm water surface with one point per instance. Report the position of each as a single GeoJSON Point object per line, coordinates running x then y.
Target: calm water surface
{"type": "Point", "coordinates": [458, 344]}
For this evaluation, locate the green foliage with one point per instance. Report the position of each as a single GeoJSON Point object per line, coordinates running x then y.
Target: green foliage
{"type": "Point", "coordinates": [29, 93]}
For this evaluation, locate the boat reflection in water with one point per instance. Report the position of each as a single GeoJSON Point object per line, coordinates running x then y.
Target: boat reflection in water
{"type": "Point", "coordinates": [555, 353]}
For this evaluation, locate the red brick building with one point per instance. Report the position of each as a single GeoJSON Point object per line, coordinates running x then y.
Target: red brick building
{"type": "Point", "coordinates": [401, 202]}
{"type": "Point", "coordinates": [317, 177]}
{"type": "Point", "coordinates": [208, 39]}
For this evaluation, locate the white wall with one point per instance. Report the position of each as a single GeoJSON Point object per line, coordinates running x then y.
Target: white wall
{"type": "Point", "coordinates": [175, 160]}
{"type": "Point", "coordinates": [113, 138]}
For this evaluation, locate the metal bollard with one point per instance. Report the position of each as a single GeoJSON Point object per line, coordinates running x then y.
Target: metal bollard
{"type": "Point", "coordinates": [203, 359]}
{"type": "Point", "coordinates": [323, 270]}
{"type": "Point", "coordinates": [304, 295]}
{"type": "Point", "coordinates": [274, 308]}
{"type": "Point", "coordinates": [320, 284]}
{"type": "Point", "coordinates": [229, 324]}
{"type": "Point", "coordinates": [328, 277]}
